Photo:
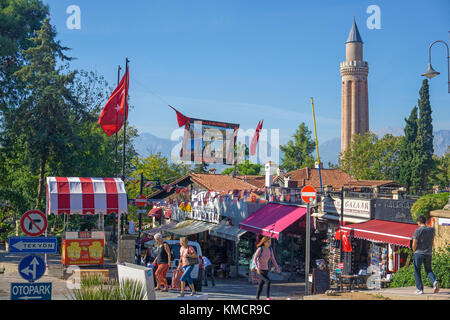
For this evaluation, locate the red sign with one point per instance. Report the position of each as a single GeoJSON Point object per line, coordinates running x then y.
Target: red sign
{"type": "Point", "coordinates": [82, 252]}
{"type": "Point", "coordinates": [33, 223]}
{"type": "Point", "coordinates": [309, 194]}
{"type": "Point", "coordinates": [141, 201]}
{"type": "Point", "coordinates": [341, 265]}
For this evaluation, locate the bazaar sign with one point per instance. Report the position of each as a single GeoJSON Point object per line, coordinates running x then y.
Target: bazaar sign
{"type": "Point", "coordinates": [352, 207]}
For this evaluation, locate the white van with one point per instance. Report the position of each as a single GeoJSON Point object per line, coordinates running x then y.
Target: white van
{"type": "Point", "coordinates": [196, 274]}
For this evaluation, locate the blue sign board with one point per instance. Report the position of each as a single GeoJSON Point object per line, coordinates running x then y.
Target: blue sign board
{"type": "Point", "coordinates": [33, 245]}
{"type": "Point", "coordinates": [31, 291]}
{"type": "Point", "coordinates": [32, 267]}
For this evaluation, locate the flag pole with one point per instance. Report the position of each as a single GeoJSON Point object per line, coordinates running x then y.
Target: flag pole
{"type": "Point", "coordinates": [125, 118]}
{"type": "Point", "coordinates": [317, 145]}
{"type": "Point", "coordinates": [116, 159]}
{"type": "Point", "coordinates": [124, 147]}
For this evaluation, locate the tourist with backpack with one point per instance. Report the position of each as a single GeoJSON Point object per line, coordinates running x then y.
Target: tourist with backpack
{"type": "Point", "coordinates": [260, 262]}
{"type": "Point", "coordinates": [163, 260]}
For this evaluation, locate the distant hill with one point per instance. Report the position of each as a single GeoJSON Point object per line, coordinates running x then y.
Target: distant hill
{"type": "Point", "coordinates": [147, 143]}
{"type": "Point", "coordinates": [329, 150]}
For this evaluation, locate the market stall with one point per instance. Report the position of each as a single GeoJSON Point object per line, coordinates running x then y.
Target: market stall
{"type": "Point", "coordinates": [85, 196]}
{"type": "Point", "coordinates": [375, 247]}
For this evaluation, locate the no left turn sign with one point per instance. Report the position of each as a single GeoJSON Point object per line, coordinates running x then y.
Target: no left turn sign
{"type": "Point", "coordinates": [33, 223]}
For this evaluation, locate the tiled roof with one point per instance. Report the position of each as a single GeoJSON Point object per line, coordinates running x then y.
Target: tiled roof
{"type": "Point", "coordinates": [310, 176]}
{"type": "Point", "coordinates": [371, 183]}
{"type": "Point", "coordinates": [256, 181]}
{"type": "Point", "coordinates": [218, 182]}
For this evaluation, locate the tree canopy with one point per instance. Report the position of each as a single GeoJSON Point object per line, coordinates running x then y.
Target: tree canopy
{"type": "Point", "coordinates": [297, 152]}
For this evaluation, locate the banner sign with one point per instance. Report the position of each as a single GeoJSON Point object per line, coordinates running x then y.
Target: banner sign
{"type": "Point", "coordinates": [394, 210]}
{"type": "Point", "coordinates": [209, 141]}
{"type": "Point", "coordinates": [82, 251]}
{"type": "Point", "coordinates": [352, 207]}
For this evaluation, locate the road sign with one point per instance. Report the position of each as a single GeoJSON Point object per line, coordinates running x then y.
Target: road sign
{"type": "Point", "coordinates": [33, 244]}
{"type": "Point", "coordinates": [309, 194]}
{"type": "Point", "coordinates": [141, 201]}
{"type": "Point", "coordinates": [32, 267]}
{"type": "Point", "coordinates": [33, 223]}
{"type": "Point", "coordinates": [31, 291]}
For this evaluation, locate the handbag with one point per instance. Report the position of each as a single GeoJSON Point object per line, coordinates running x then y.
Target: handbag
{"type": "Point", "coordinates": [192, 261]}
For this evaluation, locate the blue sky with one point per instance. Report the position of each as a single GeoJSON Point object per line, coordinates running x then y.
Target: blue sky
{"type": "Point", "coordinates": [244, 60]}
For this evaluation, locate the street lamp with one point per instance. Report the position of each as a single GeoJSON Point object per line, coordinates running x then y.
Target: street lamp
{"type": "Point", "coordinates": [328, 198]}
{"type": "Point", "coordinates": [431, 73]}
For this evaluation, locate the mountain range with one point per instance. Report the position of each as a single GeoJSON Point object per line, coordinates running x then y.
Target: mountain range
{"type": "Point", "coordinates": [147, 143]}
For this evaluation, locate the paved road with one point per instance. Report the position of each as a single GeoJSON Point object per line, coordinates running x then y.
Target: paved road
{"type": "Point", "coordinates": [225, 289]}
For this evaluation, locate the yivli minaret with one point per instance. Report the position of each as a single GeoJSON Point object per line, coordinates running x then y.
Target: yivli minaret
{"type": "Point", "coordinates": [355, 100]}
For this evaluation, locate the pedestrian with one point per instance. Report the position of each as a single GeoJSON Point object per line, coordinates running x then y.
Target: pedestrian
{"type": "Point", "coordinates": [207, 266]}
{"type": "Point", "coordinates": [186, 252]}
{"type": "Point", "coordinates": [422, 247]}
{"type": "Point", "coordinates": [145, 258]}
{"type": "Point", "coordinates": [263, 254]}
{"type": "Point", "coordinates": [163, 259]}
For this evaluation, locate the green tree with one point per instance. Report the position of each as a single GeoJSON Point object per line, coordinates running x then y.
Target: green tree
{"type": "Point", "coordinates": [297, 152]}
{"type": "Point", "coordinates": [200, 167]}
{"type": "Point", "coordinates": [427, 203]}
{"type": "Point", "coordinates": [155, 167]}
{"type": "Point", "coordinates": [407, 149]}
{"type": "Point", "coordinates": [19, 19]}
{"type": "Point", "coordinates": [423, 160]}
{"type": "Point", "coordinates": [45, 116]}
{"type": "Point", "coordinates": [440, 172]}
{"type": "Point", "coordinates": [371, 158]}
{"type": "Point", "coordinates": [245, 168]}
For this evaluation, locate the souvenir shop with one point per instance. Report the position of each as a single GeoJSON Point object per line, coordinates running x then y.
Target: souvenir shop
{"type": "Point", "coordinates": [374, 247]}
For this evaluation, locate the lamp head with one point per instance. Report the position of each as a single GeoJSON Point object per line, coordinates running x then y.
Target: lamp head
{"type": "Point", "coordinates": [430, 73]}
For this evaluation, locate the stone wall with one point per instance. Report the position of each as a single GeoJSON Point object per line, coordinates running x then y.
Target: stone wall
{"type": "Point", "coordinates": [441, 231]}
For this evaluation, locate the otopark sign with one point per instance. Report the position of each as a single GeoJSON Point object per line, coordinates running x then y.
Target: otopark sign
{"type": "Point", "coordinates": [32, 267]}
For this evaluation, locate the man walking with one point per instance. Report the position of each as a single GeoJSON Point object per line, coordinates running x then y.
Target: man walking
{"type": "Point", "coordinates": [208, 271]}
{"type": "Point", "coordinates": [422, 247]}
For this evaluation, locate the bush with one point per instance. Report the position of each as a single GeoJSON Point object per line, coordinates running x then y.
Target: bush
{"type": "Point", "coordinates": [94, 288]}
{"type": "Point", "coordinates": [440, 264]}
{"type": "Point", "coordinates": [427, 203]}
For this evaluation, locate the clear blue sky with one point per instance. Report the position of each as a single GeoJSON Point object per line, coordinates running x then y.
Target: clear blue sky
{"type": "Point", "coordinates": [244, 60]}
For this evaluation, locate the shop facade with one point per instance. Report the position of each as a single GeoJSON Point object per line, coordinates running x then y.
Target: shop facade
{"type": "Point", "coordinates": [376, 230]}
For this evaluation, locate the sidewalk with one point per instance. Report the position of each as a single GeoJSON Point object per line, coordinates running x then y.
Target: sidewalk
{"type": "Point", "coordinates": [404, 293]}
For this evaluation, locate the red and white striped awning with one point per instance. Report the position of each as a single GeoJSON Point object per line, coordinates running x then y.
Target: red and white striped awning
{"type": "Point", "coordinates": [85, 195]}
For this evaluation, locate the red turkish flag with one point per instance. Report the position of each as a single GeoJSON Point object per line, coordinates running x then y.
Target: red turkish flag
{"type": "Point", "coordinates": [112, 116]}
{"type": "Point", "coordinates": [182, 119]}
{"type": "Point", "coordinates": [255, 138]}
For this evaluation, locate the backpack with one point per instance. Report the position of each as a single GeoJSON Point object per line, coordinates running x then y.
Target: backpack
{"type": "Point", "coordinates": [252, 262]}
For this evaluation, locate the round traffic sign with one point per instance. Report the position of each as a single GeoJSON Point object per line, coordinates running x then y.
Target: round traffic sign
{"type": "Point", "coordinates": [141, 201]}
{"type": "Point", "coordinates": [33, 223]}
{"type": "Point", "coordinates": [309, 194]}
{"type": "Point", "coordinates": [32, 267]}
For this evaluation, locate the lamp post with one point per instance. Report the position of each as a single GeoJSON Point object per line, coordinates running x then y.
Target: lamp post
{"type": "Point", "coordinates": [431, 73]}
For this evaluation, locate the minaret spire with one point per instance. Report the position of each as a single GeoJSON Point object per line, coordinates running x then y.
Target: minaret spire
{"type": "Point", "coordinates": [355, 102]}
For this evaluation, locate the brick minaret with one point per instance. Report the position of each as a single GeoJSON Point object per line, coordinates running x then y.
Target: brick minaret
{"type": "Point", "coordinates": [355, 100]}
